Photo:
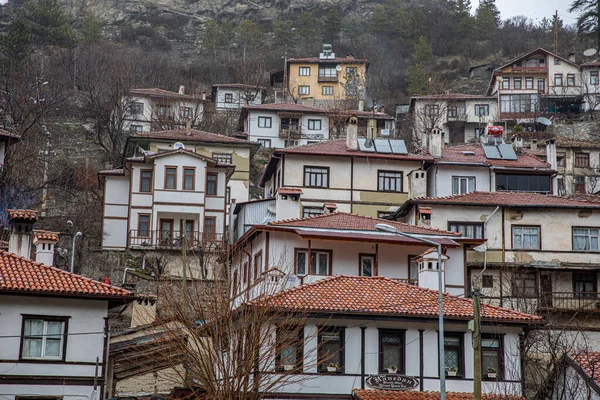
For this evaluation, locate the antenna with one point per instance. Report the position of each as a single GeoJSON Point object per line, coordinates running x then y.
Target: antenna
{"type": "Point", "coordinates": [590, 52]}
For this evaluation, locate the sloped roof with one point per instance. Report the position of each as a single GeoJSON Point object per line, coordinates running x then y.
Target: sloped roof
{"type": "Point", "coordinates": [192, 135]}
{"type": "Point", "coordinates": [339, 60]}
{"type": "Point", "coordinates": [21, 275]}
{"type": "Point", "coordinates": [238, 86]}
{"type": "Point", "coordinates": [288, 190]}
{"type": "Point", "coordinates": [589, 362]}
{"type": "Point", "coordinates": [452, 96]}
{"type": "Point", "coordinates": [383, 297]}
{"type": "Point", "coordinates": [582, 143]}
{"type": "Point", "coordinates": [285, 107]}
{"type": "Point", "coordinates": [459, 154]}
{"type": "Point", "coordinates": [31, 215]}
{"type": "Point", "coordinates": [7, 134]}
{"type": "Point", "coordinates": [362, 394]}
{"type": "Point", "coordinates": [45, 235]}
{"type": "Point", "coordinates": [156, 92]}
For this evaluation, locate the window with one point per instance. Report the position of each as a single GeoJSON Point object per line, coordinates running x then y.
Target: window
{"type": "Point", "coordinates": [487, 281]}
{"type": "Point", "coordinates": [303, 90]}
{"type": "Point", "coordinates": [170, 177]}
{"type": "Point", "coordinates": [560, 158]}
{"type": "Point", "coordinates": [519, 103]}
{"type": "Point", "coordinates": [228, 97]}
{"type": "Point", "coordinates": [463, 184]}
{"type": "Point", "coordinates": [258, 262]}
{"type": "Point", "coordinates": [222, 157]}
{"type": "Point", "coordinates": [526, 237]}
{"type": "Point", "coordinates": [211, 184]}
{"type": "Point", "coordinates": [327, 90]}
{"type": "Point", "coordinates": [136, 128]}
{"type": "Point", "coordinates": [454, 354]}
{"type": "Point", "coordinates": [491, 356]}
{"type": "Point", "coordinates": [391, 350]}
{"type": "Point", "coordinates": [523, 183]}
{"type": "Point", "coordinates": [163, 110]}
{"type": "Point", "coordinates": [316, 177]}
{"type": "Point", "coordinates": [432, 110]}
{"type": "Point", "coordinates": [593, 77]}
{"type": "Point", "coordinates": [166, 232]}
{"type": "Point", "coordinates": [517, 83]}
{"type": "Point", "coordinates": [570, 79]}
{"type": "Point", "coordinates": [311, 211]}
{"type": "Point", "coordinates": [304, 71]}
{"type": "Point", "coordinates": [189, 178]}
{"type": "Point", "coordinates": [506, 83]}
{"type": "Point", "coordinates": [366, 265]}
{"type": "Point", "coordinates": [558, 80]}
{"type": "Point", "coordinates": [580, 184]}
{"type": "Point", "coordinates": [187, 112]}
{"type": "Point", "coordinates": [327, 73]}
{"type": "Point", "coordinates": [585, 239]}
{"type": "Point", "coordinates": [289, 347]}
{"type": "Point", "coordinates": [145, 180]}
{"type": "Point", "coordinates": [43, 338]}
{"type": "Point", "coordinates": [264, 122]}
{"type": "Point", "coordinates": [467, 229]}
{"type": "Point", "coordinates": [524, 284]}
{"type": "Point", "coordinates": [314, 124]}
{"type": "Point", "coordinates": [389, 181]}
{"type": "Point", "coordinates": [137, 108]}
{"type": "Point", "coordinates": [482, 110]}
{"type": "Point", "coordinates": [143, 225]}
{"type": "Point", "coordinates": [528, 83]}
{"type": "Point", "coordinates": [413, 268]}
{"type": "Point", "coordinates": [266, 143]}
{"type": "Point", "coordinates": [228, 195]}
{"type": "Point", "coordinates": [582, 160]}
{"type": "Point", "coordinates": [556, 61]}
{"type": "Point", "coordinates": [290, 143]}
{"type": "Point", "coordinates": [452, 112]}
{"type": "Point", "coordinates": [331, 348]}
{"type": "Point", "coordinates": [320, 262]}
{"type": "Point", "coordinates": [210, 227]}
{"type": "Point", "coordinates": [541, 84]}
{"type": "Point", "coordinates": [584, 283]}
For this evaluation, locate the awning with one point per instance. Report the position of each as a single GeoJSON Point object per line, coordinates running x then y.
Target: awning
{"type": "Point", "coordinates": [425, 210]}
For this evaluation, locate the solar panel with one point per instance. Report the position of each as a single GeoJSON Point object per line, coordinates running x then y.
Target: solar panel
{"type": "Point", "coordinates": [492, 152]}
{"type": "Point", "coordinates": [383, 146]}
{"type": "Point", "coordinates": [398, 146]}
{"type": "Point", "coordinates": [362, 145]}
{"type": "Point", "coordinates": [507, 151]}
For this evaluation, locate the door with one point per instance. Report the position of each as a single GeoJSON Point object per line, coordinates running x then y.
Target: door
{"type": "Point", "coordinates": [546, 288]}
{"type": "Point", "coordinates": [187, 228]}
{"type": "Point", "coordinates": [166, 232]}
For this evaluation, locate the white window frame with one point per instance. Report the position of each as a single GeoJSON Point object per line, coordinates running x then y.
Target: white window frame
{"type": "Point", "coordinates": [457, 184]}
{"type": "Point", "coordinates": [590, 238]}
{"type": "Point", "coordinates": [520, 231]}
{"type": "Point", "coordinates": [328, 92]}
{"type": "Point", "coordinates": [303, 90]}
{"type": "Point", "coordinates": [303, 71]}
{"type": "Point", "coordinates": [482, 107]}
{"type": "Point", "coordinates": [44, 338]}
{"type": "Point", "coordinates": [361, 260]}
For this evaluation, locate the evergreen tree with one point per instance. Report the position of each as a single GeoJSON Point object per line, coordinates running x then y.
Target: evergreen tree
{"type": "Point", "coordinates": [283, 32]}
{"type": "Point", "coordinates": [91, 30]}
{"type": "Point", "coordinates": [487, 18]}
{"type": "Point", "coordinates": [332, 25]}
{"type": "Point", "coordinates": [417, 75]}
{"type": "Point", "coordinates": [16, 45]}
{"type": "Point", "coordinates": [589, 17]}
{"type": "Point", "coordinates": [48, 23]}
{"type": "Point", "coordinates": [306, 33]}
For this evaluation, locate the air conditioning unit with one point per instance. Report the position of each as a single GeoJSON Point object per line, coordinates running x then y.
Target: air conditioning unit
{"type": "Point", "coordinates": [385, 132]}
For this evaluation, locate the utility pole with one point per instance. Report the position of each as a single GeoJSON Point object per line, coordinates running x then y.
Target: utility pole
{"type": "Point", "coordinates": [476, 344]}
{"type": "Point", "coordinates": [555, 32]}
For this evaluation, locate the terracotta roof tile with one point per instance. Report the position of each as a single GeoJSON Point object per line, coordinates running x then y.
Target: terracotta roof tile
{"type": "Point", "coordinates": [339, 60]}
{"type": "Point", "coordinates": [283, 107]}
{"type": "Point", "coordinates": [18, 274]}
{"type": "Point", "coordinates": [287, 190]}
{"type": "Point", "coordinates": [452, 96]}
{"type": "Point", "coordinates": [238, 86]}
{"type": "Point", "coordinates": [347, 221]}
{"type": "Point", "coordinates": [382, 296]}
{"type": "Point", "coordinates": [461, 154]}
{"type": "Point", "coordinates": [192, 135]}
{"type": "Point", "coordinates": [45, 235]}
{"type": "Point", "coordinates": [23, 214]}
{"type": "Point", "coordinates": [515, 199]}
{"type": "Point", "coordinates": [589, 363]}
{"type": "Point", "coordinates": [329, 205]}
{"type": "Point", "coordinates": [117, 171]}
{"type": "Point", "coordinates": [362, 394]}
{"type": "Point", "coordinates": [156, 92]}
{"type": "Point", "coordinates": [569, 142]}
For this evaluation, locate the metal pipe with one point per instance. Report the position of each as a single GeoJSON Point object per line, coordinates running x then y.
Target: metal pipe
{"type": "Point", "coordinates": [125, 274]}
{"type": "Point", "coordinates": [73, 251]}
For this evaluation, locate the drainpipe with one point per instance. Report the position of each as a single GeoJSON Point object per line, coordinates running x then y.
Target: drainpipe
{"type": "Point", "coordinates": [73, 251]}
{"type": "Point", "coordinates": [125, 274]}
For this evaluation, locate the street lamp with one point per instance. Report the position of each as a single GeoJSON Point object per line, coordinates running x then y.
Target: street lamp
{"type": "Point", "coordinates": [442, 360]}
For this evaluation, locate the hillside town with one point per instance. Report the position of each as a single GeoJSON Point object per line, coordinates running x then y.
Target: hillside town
{"type": "Point", "coordinates": [296, 238]}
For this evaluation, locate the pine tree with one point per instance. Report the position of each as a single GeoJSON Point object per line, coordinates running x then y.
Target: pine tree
{"type": "Point", "coordinates": [16, 45]}
{"type": "Point", "coordinates": [48, 23]}
{"type": "Point", "coordinates": [487, 18]}
{"type": "Point", "coordinates": [417, 75]}
{"type": "Point", "coordinates": [92, 29]}
{"type": "Point", "coordinates": [332, 25]}
{"type": "Point", "coordinates": [588, 20]}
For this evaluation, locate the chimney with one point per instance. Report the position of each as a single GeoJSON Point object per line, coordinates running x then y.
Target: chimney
{"type": "Point", "coordinates": [144, 310]}
{"type": "Point", "coordinates": [517, 141]}
{"type": "Point", "coordinates": [329, 208]}
{"type": "Point", "coordinates": [361, 105]}
{"type": "Point", "coordinates": [350, 56]}
{"type": "Point", "coordinates": [417, 184]}
{"type": "Point", "coordinates": [533, 145]}
{"type": "Point", "coordinates": [382, 109]}
{"type": "Point", "coordinates": [428, 269]}
{"type": "Point", "coordinates": [551, 153]}
{"type": "Point", "coordinates": [435, 143]}
{"type": "Point", "coordinates": [287, 203]}
{"type": "Point", "coordinates": [203, 95]}
{"type": "Point", "coordinates": [352, 133]}
{"type": "Point", "coordinates": [572, 57]}
{"type": "Point", "coordinates": [188, 125]}
{"type": "Point", "coordinates": [181, 89]}
{"type": "Point", "coordinates": [44, 246]}
{"type": "Point", "coordinates": [21, 227]}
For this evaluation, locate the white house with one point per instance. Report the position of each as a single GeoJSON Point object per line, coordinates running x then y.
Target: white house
{"type": "Point", "coordinates": [6, 139]}
{"type": "Point", "coordinates": [284, 124]}
{"type": "Point", "coordinates": [145, 110]}
{"type": "Point", "coordinates": [53, 324]}
{"type": "Point", "coordinates": [233, 96]}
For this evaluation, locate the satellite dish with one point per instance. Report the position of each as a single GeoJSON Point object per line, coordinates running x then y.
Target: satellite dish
{"type": "Point", "coordinates": [338, 68]}
{"type": "Point", "coordinates": [272, 209]}
{"type": "Point", "coordinates": [369, 143]}
{"type": "Point", "coordinates": [544, 121]}
{"type": "Point", "coordinates": [178, 145]}
{"type": "Point", "coordinates": [589, 52]}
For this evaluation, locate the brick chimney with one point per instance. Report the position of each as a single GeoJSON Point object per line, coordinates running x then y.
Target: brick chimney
{"type": "Point", "coordinates": [21, 228]}
{"type": "Point", "coordinates": [352, 133]}
{"type": "Point", "coordinates": [44, 246]}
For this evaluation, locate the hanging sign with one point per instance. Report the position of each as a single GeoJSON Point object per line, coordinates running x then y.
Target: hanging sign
{"type": "Point", "coordinates": [392, 382]}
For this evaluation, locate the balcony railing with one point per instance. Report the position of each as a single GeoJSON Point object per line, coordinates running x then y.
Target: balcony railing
{"type": "Point", "coordinates": [295, 133]}
{"type": "Point", "coordinates": [577, 301]}
{"type": "Point", "coordinates": [323, 78]}
{"type": "Point", "coordinates": [174, 240]}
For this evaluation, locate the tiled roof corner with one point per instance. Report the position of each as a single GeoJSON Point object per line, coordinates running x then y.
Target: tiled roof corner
{"type": "Point", "coordinates": [30, 215]}
{"type": "Point", "coordinates": [40, 235]}
{"type": "Point", "coordinates": [289, 190]}
{"type": "Point", "coordinates": [589, 361]}
{"type": "Point", "coordinates": [192, 135]}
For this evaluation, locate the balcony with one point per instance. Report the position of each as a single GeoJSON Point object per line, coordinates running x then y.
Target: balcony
{"type": "Point", "coordinates": [294, 133]}
{"type": "Point", "coordinates": [570, 301]}
{"type": "Point", "coordinates": [323, 78]}
{"type": "Point", "coordinates": [174, 240]}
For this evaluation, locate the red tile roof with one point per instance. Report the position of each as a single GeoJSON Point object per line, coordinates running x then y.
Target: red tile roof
{"type": "Point", "coordinates": [589, 362]}
{"type": "Point", "coordinates": [287, 190]}
{"type": "Point", "coordinates": [329, 205]}
{"type": "Point", "coordinates": [21, 275]}
{"type": "Point", "coordinates": [156, 92]}
{"type": "Point", "coordinates": [459, 154]}
{"type": "Point", "coordinates": [338, 148]}
{"type": "Point", "coordinates": [508, 199]}
{"type": "Point", "coordinates": [452, 96]}
{"type": "Point", "coordinates": [362, 394]}
{"type": "Point", "coordinates": [192, 135]}
{"type": "Point", "coordinates": [238, 86]}
{"type": "Point", "coordinates": [568, 142]}
{"type": "Point", "coordinates": [339, 60]}
{"type": "Point", "coordinates": [23, 214]}
{"type": "Point", "coordinates": [347, 221]}
{"type": "Point", "coordinates": [285, 107]}
{"type": "Point", "coordinates": [45, 235]}
{"type": "Point", "coordinates": [382, 296]}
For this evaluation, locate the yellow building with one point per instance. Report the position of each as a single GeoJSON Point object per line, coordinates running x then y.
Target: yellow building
{"type": "Point", "coordinates": [326, 78]}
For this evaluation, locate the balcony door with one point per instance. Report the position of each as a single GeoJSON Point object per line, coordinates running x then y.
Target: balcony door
{"type": "Point", "coordinates": [546, 288]}
{"type": "Point", "coordinates": [187, 227]}
{"type": "Point", "coordinates": [166, 232]}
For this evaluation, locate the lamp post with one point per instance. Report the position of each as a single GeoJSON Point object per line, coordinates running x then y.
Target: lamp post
{"type": "Point", "coordinates": [442, 360]}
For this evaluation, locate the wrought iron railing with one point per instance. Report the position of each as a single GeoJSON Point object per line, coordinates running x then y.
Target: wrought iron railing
{"type": "Point", "coordinates": [582, 301]}
{"type": "Point", "coordinates": [174, 239]}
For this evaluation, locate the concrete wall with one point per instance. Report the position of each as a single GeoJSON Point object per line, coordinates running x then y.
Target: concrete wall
{"type": "Point", "coordinates": [151, 110]}
{"type": "Point", "coordinates": [272, 133]}
{"type": "Point", "coordinates": [440, 178]}
{"type": "Point", "coordinates": [239, 96]}
{"type": "Point", "coordinates": [316, 87]}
